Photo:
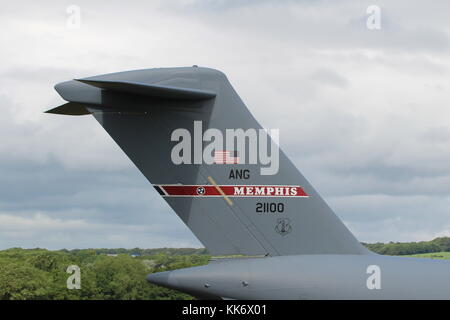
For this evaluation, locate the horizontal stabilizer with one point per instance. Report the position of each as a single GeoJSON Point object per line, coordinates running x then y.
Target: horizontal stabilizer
{"type": "Point", "coordinates": [153, 90]}
{"type": "Point", "coordinates": [70, 108]}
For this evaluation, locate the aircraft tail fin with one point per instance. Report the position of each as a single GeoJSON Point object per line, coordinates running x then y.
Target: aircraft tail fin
{"type": "Point", "coordinates": [192, 137]}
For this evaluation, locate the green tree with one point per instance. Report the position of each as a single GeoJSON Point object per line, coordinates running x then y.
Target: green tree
{"type": "Point", "coordinates": [22, 282]}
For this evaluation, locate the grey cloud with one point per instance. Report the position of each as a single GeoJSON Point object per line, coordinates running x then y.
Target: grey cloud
{"type": "Point", "coordinates": [128, 208]}
{"type": "Point", "coordinates": [362, 113]}
{"type": "Point", "coordinates": [39, 230]}
{"type": "Point", "coordinates": [407, 218]}
{"type": "Point", "coordinates": [329, 77]}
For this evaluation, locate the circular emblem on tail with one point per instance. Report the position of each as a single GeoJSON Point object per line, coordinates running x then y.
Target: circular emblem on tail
{"type": "Point", "coordinates": [283, 226]}
{"type": "Point", "coordinates": [200, 190]}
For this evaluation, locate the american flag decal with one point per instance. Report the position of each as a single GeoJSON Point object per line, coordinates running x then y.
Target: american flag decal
{"type": "Point", "coordinates": [225, 157]}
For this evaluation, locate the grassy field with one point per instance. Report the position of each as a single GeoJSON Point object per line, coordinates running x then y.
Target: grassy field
{"type": "Point", "coordinates": [433, 255]}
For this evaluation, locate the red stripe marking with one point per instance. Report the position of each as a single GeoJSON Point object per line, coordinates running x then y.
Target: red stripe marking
{"type": "Point", "coordinates": [234, 191]}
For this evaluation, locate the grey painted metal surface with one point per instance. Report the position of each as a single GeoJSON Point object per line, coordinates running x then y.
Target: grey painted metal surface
{"type": "Point", "coordinates": [310, 254]}
{"type": "Point", "coordinates": [313, 277]}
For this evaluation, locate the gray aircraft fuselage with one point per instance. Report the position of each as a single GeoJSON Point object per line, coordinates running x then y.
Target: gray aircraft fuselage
{"type": "Point", "coordinates": [313, 277]}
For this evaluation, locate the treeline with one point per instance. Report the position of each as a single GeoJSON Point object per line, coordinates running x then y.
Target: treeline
{"type": "Point", "coordinates": [141, 252]}
{"type": "Point", "coordinates": [41, 274]}
{"type": "Point", "coordinates": [441, 244]}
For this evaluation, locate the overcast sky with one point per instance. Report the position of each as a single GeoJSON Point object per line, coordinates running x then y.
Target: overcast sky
{"type": "Point", "coordinates": [364, 114]}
